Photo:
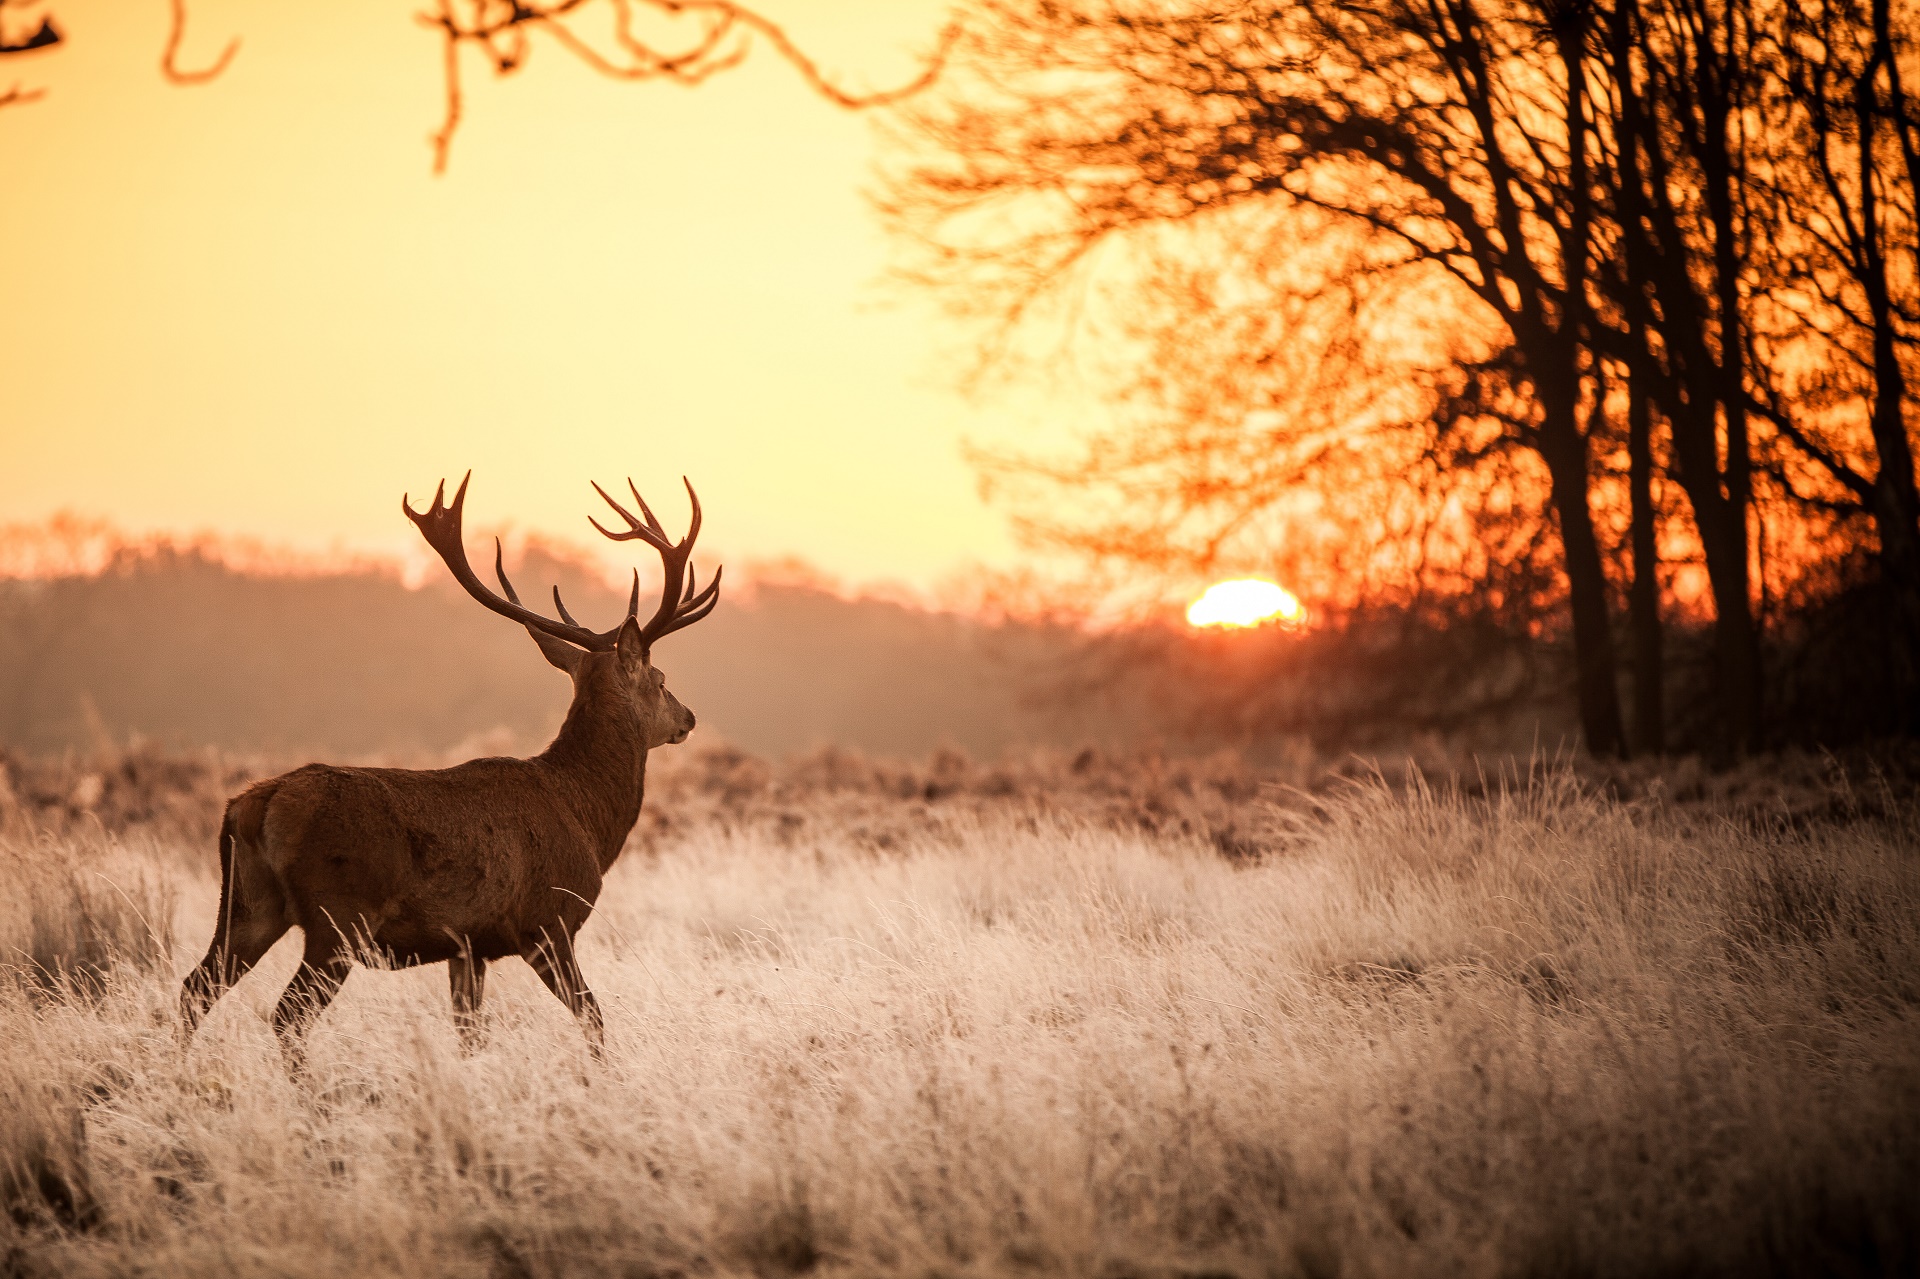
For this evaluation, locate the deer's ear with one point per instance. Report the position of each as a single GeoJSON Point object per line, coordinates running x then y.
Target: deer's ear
{"type": "Point", "coordinates": [631, 646]}
{"type": "Point", "coordinates": [558, 651]}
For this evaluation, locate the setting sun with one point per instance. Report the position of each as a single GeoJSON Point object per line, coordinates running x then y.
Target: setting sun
{"type": "Point", "coordinates": [1245, 602]}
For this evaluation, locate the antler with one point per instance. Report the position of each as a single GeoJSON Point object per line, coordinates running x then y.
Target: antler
{"type": "Point", "coordinates": [440, 525]}
{"type": "Point", "coordinates": [680, 604]}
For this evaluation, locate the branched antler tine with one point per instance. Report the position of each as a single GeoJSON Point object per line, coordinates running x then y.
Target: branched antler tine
{"type": "Point", "coordinates": [682, 602]}
{"type": "Point", "coordinates": [694, 615]}
{"type": "Point", "coordinates": [622, 511]}
{"type": "Point", "coordinates": [693, 525]}
{"type": "Point", "coordinates": [655, 536]}
{"type": "Point", "coordinates": [560, 604]}
{"type": "Point", "coordinates": [439, 524]}
{"type": "Point", "coordinates": [706, 597]}
{"type": "Point", "coordinates": [500, 571]}
{"type": "Point", "coordinates": [673, 564]}
{"type": "Point", "coordinates": [607, 532]}
{"type": "Point", "coordinates": [646, 510]}
{"type": "Point", "coordinates": [701, 605]}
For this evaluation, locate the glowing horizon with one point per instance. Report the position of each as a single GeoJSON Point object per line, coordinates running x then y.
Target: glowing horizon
{"type": "Point", "coordinates": [69, 544]}
{"type": "Point", "coordinates": [1244, 602]}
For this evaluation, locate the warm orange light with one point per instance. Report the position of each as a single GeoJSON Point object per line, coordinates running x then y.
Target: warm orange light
{"type": "Point", "coordinates": [1247, 601]}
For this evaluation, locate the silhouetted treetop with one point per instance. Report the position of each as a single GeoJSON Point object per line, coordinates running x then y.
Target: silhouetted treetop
{"type": "Point", "coordinates": [1640, 275]}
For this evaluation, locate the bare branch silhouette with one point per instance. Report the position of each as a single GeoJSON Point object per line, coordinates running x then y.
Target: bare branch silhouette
{"type": "Point", "coordinates": [45, 36]}
{"type": "Point", "coordinates": [169, 66]}
{"type": "Point", "coordinates": [501, 30]}
{"type": "Point", "coordinates": [721, 36]}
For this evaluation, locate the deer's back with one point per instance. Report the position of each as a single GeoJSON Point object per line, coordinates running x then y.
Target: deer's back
{"type": "Point", "coordinates": [484, 856]}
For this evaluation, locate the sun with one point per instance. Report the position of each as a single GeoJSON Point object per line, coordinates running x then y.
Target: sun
{"type": "Point", "coordinates": [1247, 601]}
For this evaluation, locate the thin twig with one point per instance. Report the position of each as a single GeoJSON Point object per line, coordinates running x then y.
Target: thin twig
{"type": "Point", "coordinates": [491, 23]}
{"type": "Point", "coordinates": [178, 33]}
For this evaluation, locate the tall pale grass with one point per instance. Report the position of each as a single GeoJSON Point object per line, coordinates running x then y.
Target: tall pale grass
{"type": "Point", "coordinates": [73, 909]}
{"type": "Point", "coordinates": [1531, 1033]}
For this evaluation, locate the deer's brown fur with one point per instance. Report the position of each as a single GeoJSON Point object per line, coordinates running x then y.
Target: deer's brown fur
{"type": "Point", "coordinates": [488, 859]}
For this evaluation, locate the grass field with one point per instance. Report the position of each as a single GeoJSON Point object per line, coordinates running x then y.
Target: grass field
{"type": "Point", "coordinates": [871, 1022]}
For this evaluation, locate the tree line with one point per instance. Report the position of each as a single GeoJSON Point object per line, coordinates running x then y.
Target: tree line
{"type": "Point", "coordinates": [1598, 311]}
{"type": "Point", "coordinates": [106, 639]}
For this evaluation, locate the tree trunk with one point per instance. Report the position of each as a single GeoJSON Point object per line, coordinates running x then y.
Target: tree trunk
{"type": "Point", "coordinates": [1736, 638]}
{"type": "Point", "coordinates": [1723, 533]}
{"type": "Point", "coordinates": [1562, 443]}
{"type": "Point", "coordinates": [1706, 381]}
{"type": "Point", "coordinates": [1643, 600]}
{"type": "Point", "coordinates": [1722, 524]}
{"type": "Point", "coordinates": [1896, 501]}
{"type": "Point", "coordinates": [1896, 506]}
{"type": "Point", "coordinates": [1564, 449]}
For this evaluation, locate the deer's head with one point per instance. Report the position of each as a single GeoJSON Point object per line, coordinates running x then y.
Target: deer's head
{"type": "Point", "coordinates": [616, 664]}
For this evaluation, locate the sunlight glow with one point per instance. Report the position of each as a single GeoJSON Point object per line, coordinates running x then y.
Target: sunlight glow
{"type": "Point", "coordinates": [412, 343]}
{"type": "Point", "coordinates": [1245, 602]}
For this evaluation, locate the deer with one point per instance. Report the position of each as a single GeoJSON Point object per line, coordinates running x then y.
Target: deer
{"type": "Point", "coordinates": [489, 859]}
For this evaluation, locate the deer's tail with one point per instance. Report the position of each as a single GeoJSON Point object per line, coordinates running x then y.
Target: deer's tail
{"type": "Point", "coordinates": [242, 833]}
{"type": "Point", "coordinates": [225, 924]}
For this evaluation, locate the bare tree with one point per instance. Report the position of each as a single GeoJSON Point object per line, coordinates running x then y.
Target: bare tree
{"type": "Point", "coordinates": [1286, 417]}
{"type": "Point", "coordinates": [1763, 281]}
{"type": "Point", "coordinates": [1678, 75]}
{"type": "Point", "coordinates": [1454, 136]}
{"type": "Point", "coordinates": [1842, 295]}
{"type": "Point", "coordinates": [1668, 240]}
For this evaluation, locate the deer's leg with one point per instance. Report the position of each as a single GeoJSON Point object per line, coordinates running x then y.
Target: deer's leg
{"type": "Point", "coordinates": [240, 940]}
{"type": "Point", "coordinates": [324, 965]}
{"type": "Point", "coordinates": [467, 974]}
{"type": "Point", "coordinates": [230, 958]}
{"type": "Point", "coordinates": [554, 960]}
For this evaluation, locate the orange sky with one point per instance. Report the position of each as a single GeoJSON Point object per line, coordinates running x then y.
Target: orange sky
{"type": "Point", "coordinates": [250, 307]}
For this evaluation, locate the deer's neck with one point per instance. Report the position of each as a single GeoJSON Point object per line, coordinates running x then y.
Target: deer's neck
{"type": "Point", "coordinates": [599, 760]}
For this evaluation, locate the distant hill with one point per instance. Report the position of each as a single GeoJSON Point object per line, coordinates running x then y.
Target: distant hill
{"type": "Point", "coordinates": [178, 648]}
{"type": "Point", "coordinates": [103, 640]}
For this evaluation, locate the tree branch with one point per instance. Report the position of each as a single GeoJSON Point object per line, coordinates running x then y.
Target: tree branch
{"type": "Point", "coordinates": [499, 29]}
{"type": "Point", "coordinates": [169, 66]}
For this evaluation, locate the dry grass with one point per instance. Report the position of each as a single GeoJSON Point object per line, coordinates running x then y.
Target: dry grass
{"type": "Point", "coordinates": [1534, 1031]}
{"type": "Point", "coordinates": [76, 909]}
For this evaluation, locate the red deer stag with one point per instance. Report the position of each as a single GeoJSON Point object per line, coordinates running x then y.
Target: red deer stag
{"type": "Point", "coordinates": [491, 858]}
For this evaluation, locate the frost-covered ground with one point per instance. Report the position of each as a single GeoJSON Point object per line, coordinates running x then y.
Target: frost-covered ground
{"type": "Point", "coordinates": [1190, 1025]}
